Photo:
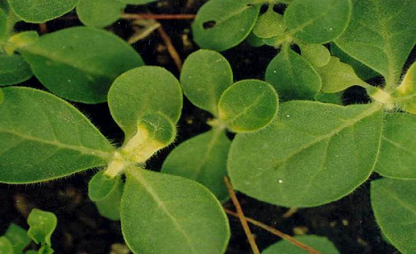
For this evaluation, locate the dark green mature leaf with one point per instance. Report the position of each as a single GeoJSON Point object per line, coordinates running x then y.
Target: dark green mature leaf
{"type": "Point", "coordinates": [318, 243]}
{"type": "Point", "coordinates": [381, 35]}
{"type": "Point", "coordinates": [248, 105]}
{"type": "Point", "coordinates": [313, 154]}
{"type": "Point", "coordinates": [13, 70]}
{"type": "Point", "coordinates": [337, 76]}
{"type": "Point", "coordinates": [80, 63]}
{"type": "Point", "coordinates": [39, 11]}
{"type": "Point", "coordinates": [205, 76]}
{"type": "Point", "coordinates": [5, 246]}
{"type": "Point", "coordinates": [99, 13]}
{"type": "Point", "coordinates": [142, 91]}
{"type": "Point", "coordinates": [405, 93]}
{"type": "Point", "coordinates": [162, 214]}
{"type": "Point", "coordinates": [292, 76]}
{"type": "Point", "coordinates": [394, 206]}
{"type": "Point", "coordinates": [203, 159]}
{"type": "Point", "coordinates": [41, 226]}
{"type": "Point", "coordinates": [223, 24]}
{"type": "Point", "coordinates": [397, 157]}
{"type": "Point", "coordinates": [17, 237]}
{"type": "Point", "coordinates": [44, 138]}
{"type": "Point", "coordinates": [317, 21]}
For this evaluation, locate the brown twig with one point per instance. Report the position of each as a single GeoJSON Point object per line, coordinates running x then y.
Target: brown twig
{"type": "Point", "coordinates": [171, 49]}
{"type": "Point", "coordinates": [276, 232]}
{"type": "Point", "coordinates": [157, 16]}
{"type": "Point", "coordinates": [240, 215]}
{"type": "Point", "coordinates": [43, 29]}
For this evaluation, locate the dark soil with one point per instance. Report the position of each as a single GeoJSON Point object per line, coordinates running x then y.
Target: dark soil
{"type": "Point", "coordinates": [348, 223]}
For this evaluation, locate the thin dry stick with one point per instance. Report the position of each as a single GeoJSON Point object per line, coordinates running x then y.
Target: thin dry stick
{"type": "Point", "coordinates": [171, 49]}
{"type": "Point", "coordinates": [276, 232]}
{"type": "Point", "coordinates": [157, 16]}
{"type": "Point", "coordinates": [240, 215]}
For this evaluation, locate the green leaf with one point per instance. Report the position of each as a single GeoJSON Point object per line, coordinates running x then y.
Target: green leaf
{"type": "Point", "coordinates": [313, 154]}
{"type": "Point", "coordinates": [13, 70]}
{"type": "Point", "coordinates": [5, 246]}
{"type": "Point", "coordinates": [80, 63]}
{"type": "Point", "coordinates": [381, 35]}
{"type": "Point", "coordinates": [317, 54]}
{"type": "Point", "coordinates": [39, 11]}
{"type": "Point", "coordinates": [99, 13]}
{"type": "Point", "coordinates": [106, 193]}
{"type": "Point", "coordinates": [18, 238]}
{"type": "Point", "coordinates": [20, 40]}
{"type": "Point", "coordinates": [248, 105]}
{"type": "Point", "coordinates": [203, 159]}
{"type": "Point", "coordinates": [44, 138]}
{"type": "Point", "coordinates": [319, 243]}
{"type": "Point", "coordinates": [394, 207]}
{"type": "Point", "coordinates": [397, 157]}
{"type": "Point", "coordinates": [362, 70]}
{"type": "Point", "coordinates": [31, 252]}
{"type": "Point", "coordinates": [41, 226]}
{"type": "Point", "coordinates": [176, 215]}
{"type": "Point", "coordinates": [136, 2]}
{"type": "Point", "coordinates": [334, 98]}
{"type": "Point", "coordinates": [142, 91]}
{"type": "Point", "coordinates": [269, 24]}
{"type": "Point", "coordinates": [317, 21]}
{"type": "Point", "coordinates": [293, 76]}
{"type": "Point", "coordinates": [205, 76]}
{"type": "Point", "coordinates": [405, 93]}
{"type": "Point", "coordinates": [254, 41]}
{"type": "Point", "coordinates": [1, 96]}
{"type": "Point", "coordinates": [3, 25]}
{"type": "Point", "coordinates": [45, 249]}
{"type": "Point", "coordinates": [223, 24]}
{"type": "Point", "coordinates": [337, 76]}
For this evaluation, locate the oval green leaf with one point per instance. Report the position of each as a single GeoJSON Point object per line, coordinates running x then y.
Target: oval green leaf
{"type": "Point", "coordinates": [318, 243]}
{"type": "Point", "coordinates": [44, 138]}
{"type": "Point", "coordinates": [313, 154]}
{"type": "Point", "coordinates": [269, 24]}
{"type": "Point", "coordinates": [405, 93]}
{"type": "Point", "coordinates": [39, 11]}
{"type": "Point", "coordinates": [17, 237]}
{"type": "Point", "coordinates": [13, 70]}
{"type": "Point", "coordinates": [317, 21]}
{"type": "Point", "coordinates": [248, 105]}
{"type": "Point", "coordinates": [205, 76]}
{"type": "Point", "coordinates": [293, 76]}
{"type": "Point", "coordinates": [394, 207]}
{"type": "Point", "coordinates": [381, 35]}
{"type": "Point", "coordinates": [397, 157]}
{"type": "Point", "coordinates": [223, 24]}
{"type": "Point", "coordinates": [5, 246]}
{"type": "Point", "coordinates": [142, 91]}
{"type": "Point", "coordinates": [176, 215]}
{"type": "Point", "coordinates": [99, 13]}
{"type": "Point", "coordinates": [80, 63]}
{"type": "Point", "coordinates": [41, 226]}
{"type": "Point", "coordinates": [318, 55]}
{"type": "Point", "coordinates": [203, 159]}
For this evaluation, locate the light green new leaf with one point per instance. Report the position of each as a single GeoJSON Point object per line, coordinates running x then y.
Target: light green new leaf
{"type": "Point", "coordinates": [319, 243]}
{"type": "Point", "coordinates": [142, 91]}
{"type": "Point", "coordinates": [31, 252]}
{"type": "Point", "coordinates": [20, 40]}
{"type": "Point", "coordinates": [362, 70]}
{"type": "Point", "coordinates": [394, 207]}
{"type": "Point", "coordinates": [317, 21]}
{"type": "Point", "coordinates": [203, 159]}
{"type": "Point", "coordinates": [5, 246]}
{"type": "Point", "coordinates": [41, 226]}
{"type": "Point", "coordinates": [317, 54]}
{"type": "Point", "coordinates": [223, 24]}
{"type": "Point", "coordinates": [99, 13]}
{"type": "Point", "coordinates": [381, 35]}
{"type": "Point", "coordinates": [17, 237]}
{"type": "Point", "coordinates": [313, 154]}
{"type": "Point", "coordinates": [405, 93]}
{"type": "Point", "coordinates": [269, 24]}
{"type": "Point", "coordinates": [293, 76]}
{"type": "Point", "coordinates": [44, 138]}
{"type": "Point", "coordinates": [80, 63]}
{"type": "Point", "coordinates": [136, 2]}
{"type": "Point", "coordinates": [13, 70]}
{"type": "Point", "coordinates": [248, 105]}
{"type": "Point", "coordinates": [39, 11]}
{"type": "Point", "coordinates": [205, 76]}
{"type": "Point", "coordinates": [162, 213]}
{"type": "Point", "coordinates": [397, 157]}
{"type": "Point", "coordinates": [337, 76]}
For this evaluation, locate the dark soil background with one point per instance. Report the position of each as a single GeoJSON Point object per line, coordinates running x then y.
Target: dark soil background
{"type": "Point", "coordinates": [349, 223]}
